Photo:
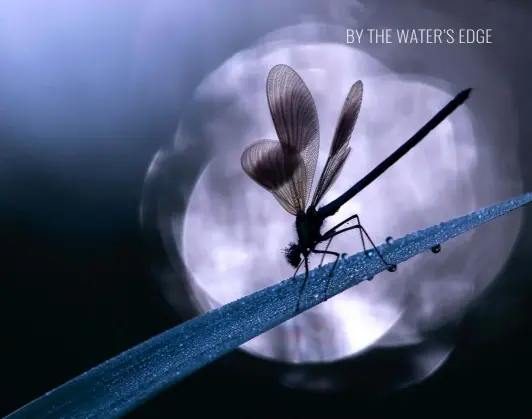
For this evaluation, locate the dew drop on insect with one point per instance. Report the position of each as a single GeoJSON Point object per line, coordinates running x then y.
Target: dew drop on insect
{"type": "Point", "coordinates": [389, 240]}
{"type": "Point", "coordinates": [369, 253]}
{"type": "Point", "coordinates": [344, 255]}
{"type": "Point", "coordinates": [436, 249]}
{"type": "Point", "coordinates": [392, 268]}
{"type": "Point", "coordinates": [369, 278]}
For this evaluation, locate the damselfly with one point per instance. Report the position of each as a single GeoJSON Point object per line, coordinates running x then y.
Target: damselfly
{"type": "Point", "coordinates": [286, 167]}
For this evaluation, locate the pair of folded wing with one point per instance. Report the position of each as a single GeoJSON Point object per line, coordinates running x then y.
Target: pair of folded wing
{"type": "Point", "coordinates": [286, 167]}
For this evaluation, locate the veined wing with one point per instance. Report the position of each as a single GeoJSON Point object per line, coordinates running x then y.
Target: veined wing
{"type": "Point", "coordinates": [276, 169]}
{"type": "Point", "coordinates": [340, 145]}
{"type": "Point", "coordinates": [295, 118]}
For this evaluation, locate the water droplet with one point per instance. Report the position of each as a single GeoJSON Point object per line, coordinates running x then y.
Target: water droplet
{"type": "Point", "coordinates": [344, 255]}
{"type": "Point", "coordinates": [369, 253]}
{"type": "Point", "coordinates": [389, 240]}
{"type": "Point", "coordinates": [369, 278]}
{"type": "Point", "coordinates": [436, 249]}
{"type": "Point", "coordinates": [392, 268]}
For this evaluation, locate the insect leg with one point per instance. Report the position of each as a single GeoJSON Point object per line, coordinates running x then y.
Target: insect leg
{"type": "Point", "coordinates": [337, 255]}
{"type": "Point", "coordinates": [297, 269]}
{"type": "Point", "coordinates": [325, 251]}
{"type": "Point", "coordinates": [339, 225]}
{"type": "Point", "coordinates": [353, 217]}
{"type": "Point", "coordinates": [391, 267]}
{"type": "Point", "coordinates": [344, 222]}
{"type": "Point", "coordinates": [304, 282]}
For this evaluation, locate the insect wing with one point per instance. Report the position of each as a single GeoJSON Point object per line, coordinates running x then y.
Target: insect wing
{"type": "Point", "coordinates": [296, 122]}
{"type": "Point", "coordinates": [340, 145]}
{"type": "Point", "coordinates": [275, 168]}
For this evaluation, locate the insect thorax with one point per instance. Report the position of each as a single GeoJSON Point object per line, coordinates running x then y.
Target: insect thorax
{"type": "Point", "coordinates": [308, 225]}
{"type": "Point", "coordinates": [308, 228]}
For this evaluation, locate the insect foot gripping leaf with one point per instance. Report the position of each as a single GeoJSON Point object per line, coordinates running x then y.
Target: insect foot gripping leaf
{"type": "Point", "coordinates": [117, 386]}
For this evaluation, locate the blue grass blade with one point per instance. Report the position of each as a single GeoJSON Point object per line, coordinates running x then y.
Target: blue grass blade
{"type": "Point", "coordinates": [118, 385]}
